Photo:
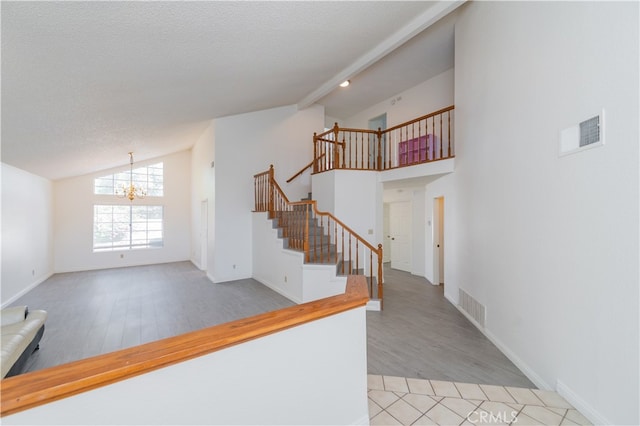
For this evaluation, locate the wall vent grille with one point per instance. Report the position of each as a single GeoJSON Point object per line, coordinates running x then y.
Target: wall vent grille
{"type": "Point", "coordinates": [582, 136]}
{"type": "Point", "coordinates": [472, 307]}
{"type": "Point", "coordinates": [590, 131]}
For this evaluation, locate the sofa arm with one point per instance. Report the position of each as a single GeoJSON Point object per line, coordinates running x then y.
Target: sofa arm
{"type": "Point", "coordinates": [13, 315]}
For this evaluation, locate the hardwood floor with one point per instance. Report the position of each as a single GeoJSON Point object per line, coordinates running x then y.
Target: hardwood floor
{"type": "Point", "coordinates": [419, 334]}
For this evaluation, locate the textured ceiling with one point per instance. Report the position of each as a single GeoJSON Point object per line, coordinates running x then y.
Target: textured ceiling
{"type": "Point", "coordinates": [83, 83]}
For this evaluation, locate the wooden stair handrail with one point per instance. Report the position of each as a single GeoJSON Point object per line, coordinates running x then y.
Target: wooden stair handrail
{"type": "Point", "coordinates": [302, 170]}
{"type": "Point", "coordinates": [40, 387]}
{"type": "Point", "coordinates": [315, 209]}
{"type": "Point", "coordinates": [288, 218]}
{"type": "Point", "coordinates": [342, 144]}
{"type": "Point", "coordinates": [362, 240]}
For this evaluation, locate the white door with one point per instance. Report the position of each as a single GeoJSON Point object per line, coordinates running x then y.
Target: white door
{"type": "Point", "coordinates": [400, 231]}
{"type": "Point", "coordinates": [386, 231]}
{"type": "Point", "coordinates": [438, 240]}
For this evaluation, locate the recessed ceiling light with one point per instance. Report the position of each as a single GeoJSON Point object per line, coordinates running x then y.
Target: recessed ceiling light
{"type": "Point", "coordinates": [345, 83]}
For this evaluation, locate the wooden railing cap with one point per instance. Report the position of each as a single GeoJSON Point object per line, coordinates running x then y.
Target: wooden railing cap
{"type": "Point", "coordinates": [40, 387]}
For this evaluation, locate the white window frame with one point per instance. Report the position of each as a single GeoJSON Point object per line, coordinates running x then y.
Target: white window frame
{"type": "Point", "coordinates": [125, 220]}
{"type": "Point", "coordinates": [150, 177]}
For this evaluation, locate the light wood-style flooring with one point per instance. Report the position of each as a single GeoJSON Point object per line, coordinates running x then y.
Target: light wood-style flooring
{"type": "Point", "coordinates": [101, 311]}
{"type": "Point", "coordinates": [419, 334]}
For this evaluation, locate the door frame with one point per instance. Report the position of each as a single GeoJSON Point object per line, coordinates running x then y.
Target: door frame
{"type": "Point", "coordinates": [409, 204]}
{"type": "Point", "coordinates": [204, 233]}
{"type": "Point", "coordinates": [438, 240]}
{"type": "Point", "coordinates": [372, 125]}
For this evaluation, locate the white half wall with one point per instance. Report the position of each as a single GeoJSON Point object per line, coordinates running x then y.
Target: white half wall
{"type": "Point", "coordinates": [315, 373]}
{"type": "Point", "coordinates": [27, 231]}
{"type": "Point", "coordinates": [247, 144]}
{"type": "Point", "coordinates": [549, 244]}
{"type": "Point", "coordinates": [73, 218]}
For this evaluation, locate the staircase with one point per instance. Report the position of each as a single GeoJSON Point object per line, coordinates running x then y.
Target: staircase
{"type": "Point", "coordinates": [323, 242]}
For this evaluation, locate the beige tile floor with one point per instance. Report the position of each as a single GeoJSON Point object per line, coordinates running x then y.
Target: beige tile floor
{"type": "Point", "coordinates": [405, 401]}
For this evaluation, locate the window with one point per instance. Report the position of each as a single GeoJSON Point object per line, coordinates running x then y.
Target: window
{"type": "Point", "coordinates": [128, 226]}
{"type": "Point", "coordinates": [149, 177]}
{"type": "Point", "coordinates": [122, 227]}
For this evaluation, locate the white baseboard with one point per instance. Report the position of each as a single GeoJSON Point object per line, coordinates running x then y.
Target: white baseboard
{"type": "Point", "coordinates": [278, 290]}
{"type": "Point", "coordinates": [362, 421]}
{"type": "Point", "coordinates": [528, 371]}
{"type": "Point", "coordinates": [563, 390]}
{"type": "Point", "coordinates": [373, 305]}
{"type": "Point", "coordinates": [26, 290]}
{"type": "Point", "coordinates": [196, 264]}
{"type": "Point", "coordinates": [581, 405]}
{"type": "Point", "coordinates": [230, 278]}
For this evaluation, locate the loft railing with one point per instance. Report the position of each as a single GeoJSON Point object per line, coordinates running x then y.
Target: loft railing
{"type": "Point", "coordinates": [322, 237]}
{"type": "Point", "coordinates": [424, 139]}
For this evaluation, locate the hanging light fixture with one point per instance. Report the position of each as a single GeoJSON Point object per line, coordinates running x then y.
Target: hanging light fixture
{"type": "Point", "coordinates": [132, 191]}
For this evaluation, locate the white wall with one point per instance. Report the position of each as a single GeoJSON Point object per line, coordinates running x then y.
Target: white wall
{"type": "Point", "coordinates": [443, 187]}
{"type": "Point", "coordinates": [428, 96]}
{"type": "Point", "coordinates": [357, 196]}
{"type": "Point", "coordinates": [273, 266]}
{"type": "Point", "coordinates": [73, 219]}
{"type": "Point", "coordinates": [203, 188]}
{"type": "Point", "coordinates": [314, 373]}
{"type": "Point", "coordinates": [247, 144]}
{"type": "Point", "coordinates": [419, 230]}
{"type": "Point", "coordinates": [27, 231]}
{"type": "Point", "coordinates": [549, 244]}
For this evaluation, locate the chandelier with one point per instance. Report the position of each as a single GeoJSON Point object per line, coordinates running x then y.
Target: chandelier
{"type": "Point", "coordinates": [131, 191]}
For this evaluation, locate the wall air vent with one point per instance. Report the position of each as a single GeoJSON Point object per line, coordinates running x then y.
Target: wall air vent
{"type": "Point", "coordinates": [590, 131]}
{"type": "Point", "coordinates": [472, 307]}
{"type": "Point", "coordinates": [587, 134]}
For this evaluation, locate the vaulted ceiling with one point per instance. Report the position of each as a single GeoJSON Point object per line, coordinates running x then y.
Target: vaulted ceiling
{"type": "Point", "coordinates": [83, 83]}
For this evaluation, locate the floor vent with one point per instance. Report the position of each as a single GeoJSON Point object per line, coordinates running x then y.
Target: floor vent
{"type": "Point", "coordinates": [472, 307]}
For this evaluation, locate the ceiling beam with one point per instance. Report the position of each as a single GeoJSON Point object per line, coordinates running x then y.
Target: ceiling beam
{"type": "Point", "coordinates": [404, 34]}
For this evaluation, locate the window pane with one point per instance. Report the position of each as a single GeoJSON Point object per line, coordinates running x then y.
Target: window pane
{"type": "Point", "coordinates": [117, 227]}
{"type": "Point", "coordinates": [149, 178]}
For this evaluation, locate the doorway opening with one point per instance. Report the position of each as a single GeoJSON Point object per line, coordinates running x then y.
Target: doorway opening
{"type": "Point", "coordinates": [379, 122]}
{"type": "Point", "coordinates": [438, 241]}
{"type": "Point", "coordinates": [400, 223]}
{"type": "Point", "coordinates": [204, 233]}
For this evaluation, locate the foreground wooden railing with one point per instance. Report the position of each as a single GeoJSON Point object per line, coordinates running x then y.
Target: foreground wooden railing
{"type": "Point", "coordinates": [321, 236]}
{"type": "Point", "coordinates": [40, 387]}
{"type": "Point", "coordinates": [424, 139]}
